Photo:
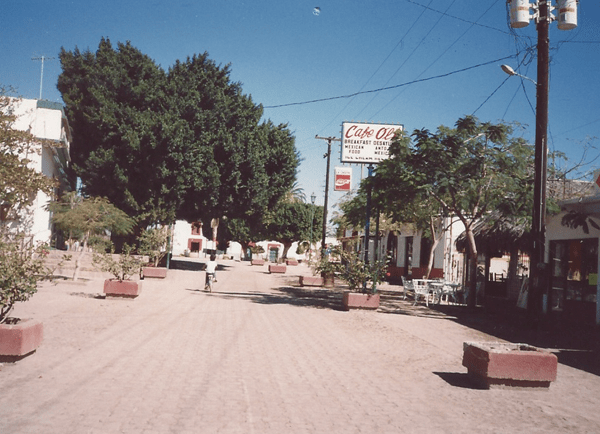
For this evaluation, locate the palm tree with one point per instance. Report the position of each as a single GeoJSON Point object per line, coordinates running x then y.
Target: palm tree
{"type": "Point", "coordinates": [295, 194]}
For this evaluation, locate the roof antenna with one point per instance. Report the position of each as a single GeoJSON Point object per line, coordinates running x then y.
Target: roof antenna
{"type": "Point", "coordinates": [42, 75]}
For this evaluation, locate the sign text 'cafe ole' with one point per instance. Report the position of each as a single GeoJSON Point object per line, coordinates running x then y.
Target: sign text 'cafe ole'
{"type": "Point", "coordinates": [366, 143]}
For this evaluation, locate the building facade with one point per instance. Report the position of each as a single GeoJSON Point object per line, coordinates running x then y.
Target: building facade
{"type": "Point", "coordinates": [46, 121]}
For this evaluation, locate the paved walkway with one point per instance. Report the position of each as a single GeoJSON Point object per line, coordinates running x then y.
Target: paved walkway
{"type": "Point", "coordinates": [255, 357]}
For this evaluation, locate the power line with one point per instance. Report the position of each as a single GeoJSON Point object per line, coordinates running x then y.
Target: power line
{"type": "Point", "coordinates": [393, 87]}
{"type": "Point", "coordinates": [440, 56]}
{"type": "Point", "coordinates": [382, 63]}
{"type": "Point", "coordinates": [458, 18]}
{"type": "Point", "coordinates": [409, 56]}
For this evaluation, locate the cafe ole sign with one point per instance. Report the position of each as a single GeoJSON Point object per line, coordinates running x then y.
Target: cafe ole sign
{"type": "Point", "coordinates": [367, 143]}
{"type": "Point", "coordinates": [343, 178]}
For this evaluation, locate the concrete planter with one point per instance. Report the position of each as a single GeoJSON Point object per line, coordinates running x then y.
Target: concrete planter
{"type": "Point", "coordinates": [155, 272]}
{"type": "Point", "coordinates": [505, 364]}
{"type": "Point", "coordinates": [19, 340]}
{"type": "Point", "coordinates": [292, 262]}
{"type": "Point", "coordinates": [124, 288]}
{"type": "Point", "coordinates": [258, 262]}
{"type": "Point", "coordinates": [355, 300]}
{"type": "Point", "coordinates": [277, 268]}
{"type": "Point", "coordinates": [310, 281]}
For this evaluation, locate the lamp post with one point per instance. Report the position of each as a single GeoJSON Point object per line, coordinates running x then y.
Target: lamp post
{"type": "Point", "coordinates": [519, 15]}
{"type": "Point", "coordinates": [312, 218]}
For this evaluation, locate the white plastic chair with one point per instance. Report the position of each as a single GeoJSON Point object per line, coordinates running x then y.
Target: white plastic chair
{"type": "Point", "coordinates": [408, 286]}
{"type": "Point", "coordinates": [421, 290]}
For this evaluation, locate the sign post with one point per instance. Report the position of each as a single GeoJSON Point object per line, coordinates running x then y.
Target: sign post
{"type": "Point", "coordinates": [367, 144]}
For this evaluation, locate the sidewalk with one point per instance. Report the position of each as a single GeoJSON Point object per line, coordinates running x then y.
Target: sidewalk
{"type": "Point", "coordinates": [261, 355]}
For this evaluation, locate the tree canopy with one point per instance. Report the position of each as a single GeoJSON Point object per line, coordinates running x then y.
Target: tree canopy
{"type": "Point", "coordinates": [468, 171]}
{"type": "Point", "coordinates": [178, 144]}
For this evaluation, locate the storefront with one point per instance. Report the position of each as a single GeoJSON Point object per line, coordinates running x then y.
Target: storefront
{"type": "Point", "coordinates": [574, 263]}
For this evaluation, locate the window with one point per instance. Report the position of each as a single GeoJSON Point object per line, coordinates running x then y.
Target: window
{"type": "Point", "coordinates": [574, 271]}
{"type": "Point", "coordinates": [197, 228]}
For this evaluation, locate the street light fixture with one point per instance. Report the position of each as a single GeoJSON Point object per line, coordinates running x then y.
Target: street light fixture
{"type": "Point", "coordinates": [511, 71]}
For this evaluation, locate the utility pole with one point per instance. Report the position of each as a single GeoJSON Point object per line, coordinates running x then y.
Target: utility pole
{"type": "Point", "coordinates": [537, 267]}
{"type": "Point", "coordinates": [328, 156]}
{"type": "Point", "coordinates": [43, 58]}
{"type": "Point", "coordinates": [567, 20]}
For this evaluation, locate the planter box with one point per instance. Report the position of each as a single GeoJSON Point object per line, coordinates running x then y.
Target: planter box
{"type": "Point", "coordinates": [258, 262]}
{"type": "Point", "coordinates": [156, 272]}
{"type": "Point", "coordinates": [505, 364]}
{"type": "Point", "coordinates": [311, 281]}
{"type": "Point", "coordinates": [354, 300]}
{"type": "Point", "coordinates": [291, 262]}
{"type": "Point", "coordinates": [277, 268]}
{"type": "Point", "coordinates": [19, 340]}
{"type": "Point", "coordinates": [125, 288]}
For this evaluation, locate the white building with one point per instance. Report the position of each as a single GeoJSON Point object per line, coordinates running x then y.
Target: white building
{"type": "Point", "coordinates": [45, 120]}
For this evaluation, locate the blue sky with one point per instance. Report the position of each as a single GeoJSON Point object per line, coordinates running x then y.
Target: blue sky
{"type": "Point", "coordinates": [439, 59]}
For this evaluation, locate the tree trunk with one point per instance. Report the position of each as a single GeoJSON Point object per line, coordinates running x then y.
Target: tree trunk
{"type": "Point", "coordinates": [286, 248]}
{"type": "Point", "coordinates": [512, 282]}
{"type": "Point", "coordinates": [431, 257]}
{"type": "Point", "coordinates": [472, 280]}
{"type": "Point", "coordinates": [245, 245]}
{"type": "Point", "coordinates": [80, 257]}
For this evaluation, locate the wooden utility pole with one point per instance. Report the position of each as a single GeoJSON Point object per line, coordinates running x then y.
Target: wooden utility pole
{"type": "Point", "coordinates": [328, 156]}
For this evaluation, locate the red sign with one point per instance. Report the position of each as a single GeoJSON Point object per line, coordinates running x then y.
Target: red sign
{"type": "Point", "coordinates": [343, 179]}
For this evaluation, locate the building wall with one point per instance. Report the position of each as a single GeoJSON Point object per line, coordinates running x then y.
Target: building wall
{"type": "Point", "coordinates": [448, 262]}
{"type": "Point", "coordinates": [45, 120]}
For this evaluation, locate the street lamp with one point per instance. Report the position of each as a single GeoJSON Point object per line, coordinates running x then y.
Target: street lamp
{"type": "Point", "coordinates": [312, 218]}
{"type": "Point", "coordinates": [567, 20]}
{"type": "Point", "coordinates": [511, 71]}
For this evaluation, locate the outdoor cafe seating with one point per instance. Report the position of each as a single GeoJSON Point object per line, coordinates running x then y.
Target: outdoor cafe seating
{"type": "Point", "coordinates": [431, 290]}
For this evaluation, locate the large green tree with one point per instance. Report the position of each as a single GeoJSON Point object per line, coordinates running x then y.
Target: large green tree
{"type": "Point", "coordinates": [185, 143]}
{"type": "Point", "coordinates": [468, 170]}
{"type": "Point", "coordinates": [289, 222]}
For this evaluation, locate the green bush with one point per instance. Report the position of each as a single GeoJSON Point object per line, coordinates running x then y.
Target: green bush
{"type": "Point", "coordinates": [123, 267]}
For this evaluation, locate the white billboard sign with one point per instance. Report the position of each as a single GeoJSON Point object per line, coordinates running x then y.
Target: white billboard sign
{"type": "Point", "coordinates": [367, 143]}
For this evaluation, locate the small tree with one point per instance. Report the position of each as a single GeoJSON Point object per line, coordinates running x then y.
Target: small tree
{"type": "Point", "coordinates": [19, 183]}
{"type": "Point", "coordinates": [89, 216]}
{"type": "Point", "coordinates": [21, 268]}
{"type": "Point", "coordinates": [153, 243]}
{"type": "Point", "coordinates": [21, 261]}
{"type": "Point", "coordinates": [469, 171]}
{"type": "Point", "coordinates": [122, 268]}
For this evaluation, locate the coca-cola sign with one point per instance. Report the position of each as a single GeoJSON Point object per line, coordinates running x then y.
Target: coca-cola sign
{"type": "Point", "coordinates": [367, 143]}
{"type": "Point", "coordinates": [343, 179]}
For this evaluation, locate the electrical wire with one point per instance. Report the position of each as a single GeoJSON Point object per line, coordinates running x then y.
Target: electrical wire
{"type": "Point", "coordinates": [441, 55]}
{"type": "Point", "coordinates": [406, 60]}
{"type": "Point", "coordinates": [381, 89]}
{"type": "Point", "coordinates": [458, 18]}
{"type": "Point", "coordinates": [401, 41]}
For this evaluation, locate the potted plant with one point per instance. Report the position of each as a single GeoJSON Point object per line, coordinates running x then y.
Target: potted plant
{"type": "Point", "coordinates": [153, 243]}
{"type": "Point", "coordinates": [362, 280]}
{"type": "Point", "coordinates": [258, 251]}
{"type": "Point", "coordinates": [122, 268]}
{"type": "Point", "coordinates": [21, 269]}
{"type": "Point", "coordinates": [327, 266]}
